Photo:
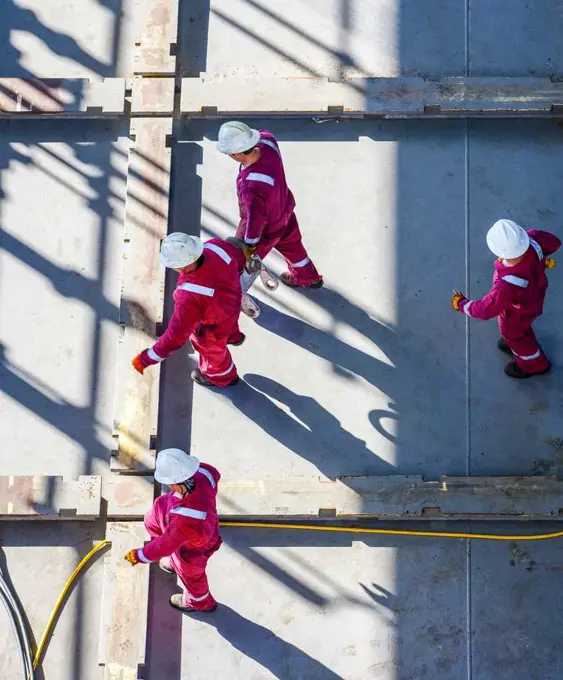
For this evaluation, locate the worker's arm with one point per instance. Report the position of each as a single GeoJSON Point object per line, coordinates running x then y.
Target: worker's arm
{"type": "Point", "coordinates": [253, 212]}
{"type": "Point", "coordinates": [179, 532]}
{"type": "Point", "coordinates": [186, 316]}
{"type": "Point", "coordinates": [548, 242]}
{"type": "Point", "coordinates": [496, 301]}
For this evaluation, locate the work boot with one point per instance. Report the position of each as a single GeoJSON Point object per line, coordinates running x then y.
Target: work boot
{"type": "Point", "coordinates": [514, 371]}
{"type": "Point", "coordinates": [166, 565]}
{"type": "Point", "coordinates": [177, 601]}
{"type": "Point", "coordinates": [286, 280]}
{"type": "Point", "coordinates": [249, 307]}
{"type": "Point", "coordinates": [503, 346]}
{"type": "Point", "coordinates": [239, 342]}
{"type": "Point", "coordinates": [202, 380]}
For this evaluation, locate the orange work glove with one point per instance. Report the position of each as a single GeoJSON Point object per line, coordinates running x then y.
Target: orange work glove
{"type": "Point", "coordinates": [249, 251]}
{"type": "Point", "coordinates": [138, 364]}
{"type": "Point", "coordinates": [457, 299]}
{"type": "Point", "coordinates": [132, 558]}
{"type": "Point", "coordinates": [141, 361]}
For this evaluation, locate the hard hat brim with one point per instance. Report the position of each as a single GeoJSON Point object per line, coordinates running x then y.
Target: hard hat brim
{"type": "Point", "coordinates": [189, 473]}
{"type": "Point", "coordinates": [224, 148]}
{"type": "Point", "coordinates": [510, 253]}
{"type": "Point", "coordinates": [178, 263]}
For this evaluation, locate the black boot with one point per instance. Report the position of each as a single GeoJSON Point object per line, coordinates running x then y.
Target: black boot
{"type": "Point", "coordinates": [503, 346]}
{"type": "Point", "coordinates": [514, 371]}
{"type": "Point", "coordinates": [202, 380]}
{"type": "Point", "coordinates": [238, 343]}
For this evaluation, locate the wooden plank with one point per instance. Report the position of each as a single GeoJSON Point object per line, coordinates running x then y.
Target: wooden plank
{"type": "Point", "coordinates": [146, 224]}
{"type": "Point", "coordinates": [32, 97]}
{"type": "Point", "coordinates": [385, 97]}
{"type": "Point", "coordinates": [124, 604]}
{"type": "Point", "coordinates": [38, 497]}
{"type": "Point", "coordinates": [393, 497]}
{"type": "Point", "coordinates": [129, 496]}
{"type": "Point", "coordinates": [156, 45]}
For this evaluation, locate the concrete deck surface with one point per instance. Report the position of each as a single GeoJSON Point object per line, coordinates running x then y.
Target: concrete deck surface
{"type": "Point", "coordinates": [87, 39]}
{"type": "Point", "coordinates": [327, 606]}
{"type": "Point", "coordinates": [370, 374]}
{"type": "Point", "coordinates": [63, 193]}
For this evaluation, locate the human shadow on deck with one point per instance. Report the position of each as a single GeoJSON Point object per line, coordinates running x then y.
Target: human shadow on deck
{"type": "Point", "coordinates": [283, 659]}
{"type": "Point", "coordinates": [316, 435]}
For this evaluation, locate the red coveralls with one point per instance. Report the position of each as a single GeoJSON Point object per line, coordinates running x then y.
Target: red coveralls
{"type": "Point", "coordinates": [517, 299]}
{"type": "Point", "coordinates": [266, 207]}
{"type": "Point", "coordinates": [207, 307]}
{"type": "Point", "coordinates": [187, 530]}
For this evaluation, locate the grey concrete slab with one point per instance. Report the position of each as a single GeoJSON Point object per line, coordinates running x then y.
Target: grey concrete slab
{"type": "Point", "coordinates": [63, 190]}
{"type": "Point", "coordinates": [76, 39]}
{"type": "Point", "coordinates": [515, 38]}
{"type": "Point", "coordinates": [312, 605]}
{"type": "Point", "coordinates": [359, 377]}
{"type": "Point", "coordinates": [516, 622]}
{"type": "Point", "coordinates": [334, 38]}
{"type": "Point", "coordinates": [354, 607]}
{"type": "Point", "coordinates": [384, 97]}
{"type": "Point", "coordinates": [391, 497]}
{"type": "Point", "coordinates": [38, 559]}
{"type": "Point", "coordinates": [516, 172]}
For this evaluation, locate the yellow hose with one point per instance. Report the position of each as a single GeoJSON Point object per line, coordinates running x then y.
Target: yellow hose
{"type": "Point", "coordinates": [62, 596]}
{"type": "Point", "coordinates": [306, 527]}
{"type": "Point", "coordinates": [397, 532]}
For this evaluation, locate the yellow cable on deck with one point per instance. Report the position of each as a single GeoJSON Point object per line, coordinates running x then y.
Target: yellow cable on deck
{"type": "Point", "coordinates": [302, 527]}
{"type": "Point", "coordinates": [397, 532]}
{"type": "Point", "coordinates": [62, 596]}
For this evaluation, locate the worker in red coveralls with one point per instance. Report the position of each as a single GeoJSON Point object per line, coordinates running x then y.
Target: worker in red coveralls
{"type": "Point", "coordinates": [207, 304]}
{"type": "Point", "coordinates": [266, 204]}
{"type": "Point", "coordinates": [184, 527]}
{"type": "Point", "coordinates": [517, 295]}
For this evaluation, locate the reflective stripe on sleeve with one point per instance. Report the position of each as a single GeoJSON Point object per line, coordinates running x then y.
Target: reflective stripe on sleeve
{"type": "Point", "coordinates": [259, 177]}
{"type": "Point", "coordinates": [194, 288]}
{"type": "Point", "coordinates": [271, 145]}
{"type": "Point", "coordinates": [536, 246]}
{"type": "Point", "coordinates": [153, 355]}
{"type": "Point", "coordinates": [219, 251]}
{"type": "Point", "coordinates": [141, 556]}
{"type": "Point", "coordinates": [209, 476]}
{"type": "Point", "coordinates": [467, 308]}
{"type": "Point", "coordinates": [189, 512]}
{"type": "Point", "coordinates": [251, 241]}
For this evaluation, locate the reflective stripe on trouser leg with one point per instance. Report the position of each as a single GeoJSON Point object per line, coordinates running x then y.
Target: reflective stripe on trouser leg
{"type": "Point", "coordinates": [197, 599]}
{"type": "Point", "coordinates": [191, 573]}
{"type": "Point", "coordinates": [524, 346]}
{"type": "Point", "coordinates": [215, 360]}
{"type": "Point", "coordinates": [290, 245]}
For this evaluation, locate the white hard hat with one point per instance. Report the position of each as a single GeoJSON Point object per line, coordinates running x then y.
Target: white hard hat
{"type": "Point", "coordinates": [235, 137]}
{"type": "Point", "coordinates": [174, 466]}
{"type": "Point", "coordinates": [179, 250]}
{"type": "Point", "coordinates": [507, 239]}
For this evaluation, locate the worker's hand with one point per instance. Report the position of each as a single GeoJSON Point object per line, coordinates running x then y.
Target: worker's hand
{"type": "Point", "coordinates": [249, 251]}
{"type": "Point", "coordinates": [132, 558]}
{"type": "Point", "coordinates": [141, 361]}
{"type": "Point", "coordinates": [457, 299]}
